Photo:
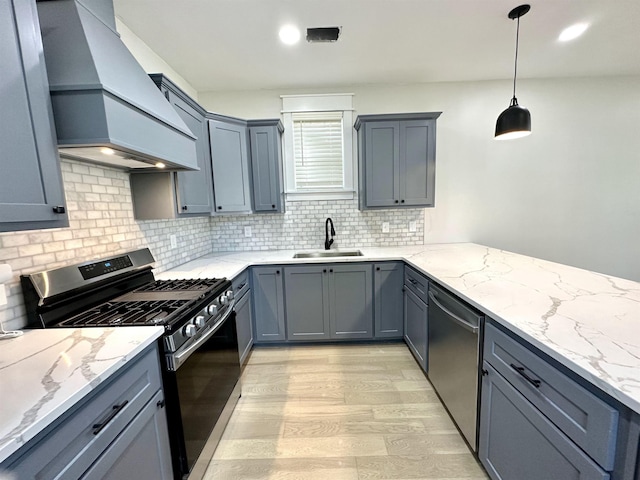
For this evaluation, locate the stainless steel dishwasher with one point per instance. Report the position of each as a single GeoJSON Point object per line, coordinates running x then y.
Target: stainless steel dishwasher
{"type": "Point", "coordinates": [454, 351]}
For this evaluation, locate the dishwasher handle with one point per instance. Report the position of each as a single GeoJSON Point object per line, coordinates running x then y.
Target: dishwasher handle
{"type": "Point", "coordinates": [463, 323]}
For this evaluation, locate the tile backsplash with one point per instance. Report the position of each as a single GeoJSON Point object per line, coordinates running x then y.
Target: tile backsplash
{"type": "Point", "coordinates": [101, 224]}
{"type": "Point", "coordinates": [303, 227]}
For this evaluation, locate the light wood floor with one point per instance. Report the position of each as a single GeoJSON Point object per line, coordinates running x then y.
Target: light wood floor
{"type": "Point", "coordinates": [346, 412]}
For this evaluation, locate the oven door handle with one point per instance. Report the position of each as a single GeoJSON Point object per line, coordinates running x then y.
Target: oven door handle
{"type": "Point", "coordinates": [178, 358]}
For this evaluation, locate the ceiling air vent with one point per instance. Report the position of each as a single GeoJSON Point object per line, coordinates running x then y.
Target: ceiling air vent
{"type": "Point", "coordinates": [323, 34]}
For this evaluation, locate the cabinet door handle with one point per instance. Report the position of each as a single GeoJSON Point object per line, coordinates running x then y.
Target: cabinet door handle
{"type": "Point", "coordinates": [98, 427]}
{"type": "Point", "coordinates": [324, 270]}
{"type": "Point", "coordinates": [185, 208]}
{"type": "Point", "coordinates": [59, 209]}
{"type": "Point", "coordinates": [533, 381]}
{"type": "Point", "coordinates": [331, 270]}
{"type": "Point", "coordinates": [401, 201]}
{"type": "Point", "coordinates": [277, 272]}
{"type": "Point", "coordinates": [395, 201]}
{"type": "Point", "coordinates": [273, 206]}
{"type": "Point", "coordinates": [377, 269]}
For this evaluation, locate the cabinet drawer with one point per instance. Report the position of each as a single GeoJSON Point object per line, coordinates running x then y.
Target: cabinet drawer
{"type": "Point", "coordinates": [517, 442]}
{"type": "Point", "coordinates": [240, 284]}
{"type": "Point", "coordinates": [417, 283]}
{"type": "Point", "coordinates": [75, 441]}
{"type": "Point", "coordinates": [588, 421]}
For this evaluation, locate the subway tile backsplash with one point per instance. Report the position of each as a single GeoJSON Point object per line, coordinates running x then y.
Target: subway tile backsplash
{"type": "Point", "coordinates": [303, 227]}
{"type": "Point", "coordinates": [101, 224]}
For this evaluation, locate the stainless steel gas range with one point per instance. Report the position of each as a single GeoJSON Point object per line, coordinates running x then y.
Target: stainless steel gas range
{"type": "Point", "coordinates": [201, 367]}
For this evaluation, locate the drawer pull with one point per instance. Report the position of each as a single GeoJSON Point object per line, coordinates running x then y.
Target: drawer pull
{"type": "Point", "coordinates": [536, 383]}
{"type": "Point", "coordinates": [241, 286]}
{"type": "Point", "coordinates": [413, 282]}
{"type": "Point", "coordinates": [98, 427]}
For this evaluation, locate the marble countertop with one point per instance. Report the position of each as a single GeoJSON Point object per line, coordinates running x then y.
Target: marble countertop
{"type": "Point", "coordinates": [45, 372]}
{"type": "Point", "coordinates": [590, 322]}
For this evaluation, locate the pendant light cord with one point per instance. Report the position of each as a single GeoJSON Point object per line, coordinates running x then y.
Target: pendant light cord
{"type": "Point", "coordinates": [514, 101]}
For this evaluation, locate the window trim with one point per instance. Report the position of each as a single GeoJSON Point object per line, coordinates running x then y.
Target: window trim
{"type": "Point", "coordinates": [342, 102]}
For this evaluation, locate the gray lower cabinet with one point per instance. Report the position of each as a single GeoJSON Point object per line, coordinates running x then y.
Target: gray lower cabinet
{"type": "Point", "coordinates": [329, 301]}
{"type": "Point", "coordinates": [517, 441]}
{"type": "Point", "coordinates": [228, 138]}
{"type": "Point", "coordinates": [31, 191]}
{"type": "Point", "coordinates": [161, 195]}
{"type": "Point", "coordinates": [351, 301]}
{"type": "Point", "coordinates": [106, 434]}
{"type": "Point", "coordinates": [244, 314]}
{"type": "Point", "coordinates": [307, 302]}
{"type": "Point", "coordinates": [266, 165]}
{"type": "Point", "coordinates": [268, 304]}
{"type": "Point", "coordinates": [388, 300]}
{"type": "Point", "coordinates": [397, 160]}
{"type": "Point", "coordinates": [416, 315]}
{"type": "Point", "coordinates": [538, 421]}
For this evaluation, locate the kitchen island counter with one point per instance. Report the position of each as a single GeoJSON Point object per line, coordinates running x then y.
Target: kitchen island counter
{"type": "Point", "coordinates": [588, 321]}
{"type": "Point", "coordinates": [43, 373]}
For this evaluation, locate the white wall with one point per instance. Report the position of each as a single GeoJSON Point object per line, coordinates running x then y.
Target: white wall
{"type": "Point", "coordinates": [569, 193]}
{"type": "Point", "coordinates": [150, 60]}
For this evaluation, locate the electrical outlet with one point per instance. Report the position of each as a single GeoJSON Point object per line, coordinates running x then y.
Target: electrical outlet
{"type": "Point", "coordinates": [173, 241]}
{"type": "Point", "coordinates": [385, 227]}
{"type": "Point", "coordinates": [247, 232]}
{"type": "Point", "coordinates": [413, 226]}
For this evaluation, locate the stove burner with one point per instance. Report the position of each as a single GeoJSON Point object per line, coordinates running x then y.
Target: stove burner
{"type": "Point", "coordinates": [180, 285]}
{"type": "Point", "coordinates": [127, 313]}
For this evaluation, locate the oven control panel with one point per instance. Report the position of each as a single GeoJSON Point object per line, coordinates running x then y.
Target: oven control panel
{"type": "Point", "coordinates": [93, 270]}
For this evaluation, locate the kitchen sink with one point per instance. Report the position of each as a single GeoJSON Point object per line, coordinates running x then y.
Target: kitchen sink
{"type": "Point", "coordinates": [329, 253]}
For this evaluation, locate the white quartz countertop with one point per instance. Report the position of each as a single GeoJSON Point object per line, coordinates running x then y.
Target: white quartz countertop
{"type": "Point", "coordinates": [45, 372]}
{"type": "Point", "coordinates": [590, 322]}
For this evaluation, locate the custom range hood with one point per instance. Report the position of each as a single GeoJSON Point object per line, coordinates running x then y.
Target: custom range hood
{"type": "Point", "coordinates": [106, 108]}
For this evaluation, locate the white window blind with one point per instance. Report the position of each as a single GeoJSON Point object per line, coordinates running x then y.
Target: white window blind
{"type": "Point", "coordinates": [318, 150]}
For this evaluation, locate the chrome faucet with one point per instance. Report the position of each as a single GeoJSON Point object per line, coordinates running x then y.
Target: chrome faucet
{"type": "Point", "coordinates": [327, 241]}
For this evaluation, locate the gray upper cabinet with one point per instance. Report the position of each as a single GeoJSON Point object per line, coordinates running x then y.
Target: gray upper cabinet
{"type": "Point", "coordinates": [31, 192]}
{"type": "Point", "coordinates": [266, 165]}
{"type": "Point", "coordinates": [397, 154]}
{"type": "Point", "coordinates": [329, 301]}
{"type": "Point", "coordinates": [194, 189]}
{"type": "Point", "coordinates": [268, 304]}
{"type": "Point", "coordinates": [230, 164]}
{"type": "Point", "coordinates": [161, 195]}
{"type": "Point", "coordinates": [387, 284]}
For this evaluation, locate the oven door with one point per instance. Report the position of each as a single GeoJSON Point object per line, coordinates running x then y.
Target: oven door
{"type": "Point", "coordinates": [198, 390]}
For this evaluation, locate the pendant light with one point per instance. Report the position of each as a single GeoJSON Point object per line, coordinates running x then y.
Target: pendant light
{"type": "Point", "coordinates": [515, 121]}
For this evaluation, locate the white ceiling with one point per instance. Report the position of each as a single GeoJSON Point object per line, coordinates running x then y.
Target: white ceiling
{"type": "Point", "coordinates": [233, 44]}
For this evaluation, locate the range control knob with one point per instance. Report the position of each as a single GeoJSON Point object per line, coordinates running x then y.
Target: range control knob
{"type": "Point", "coordinates": [212, 309]}
{"type": "Point", "coordinates": [223, 300]}
{"type": "Point", "coordinates": [199, 321]}
{"type": "Point", "coordinates": [229, 294]}
{"type": "Point", "coordinates": [189, 330]}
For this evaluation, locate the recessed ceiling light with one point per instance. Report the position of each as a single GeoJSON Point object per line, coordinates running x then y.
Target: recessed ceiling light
{"type": "Point", "coordinates": [574, 31]}
{"type": "Point", "coordinates": [160, 165]}
{"type": "Point", "coordinates": [107, 151]}
{"type": "Point", "coordinates": [289, 34]}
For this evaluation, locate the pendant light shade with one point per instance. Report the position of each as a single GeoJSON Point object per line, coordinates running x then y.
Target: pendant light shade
{"type": "Point", "coordinates": [515, 121]}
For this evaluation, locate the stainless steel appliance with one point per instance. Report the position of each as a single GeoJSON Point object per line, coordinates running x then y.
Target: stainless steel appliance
{"type": "Point", "coordinates": [454, 356]}
{"type": "Point", "coordinates": [201, 366]}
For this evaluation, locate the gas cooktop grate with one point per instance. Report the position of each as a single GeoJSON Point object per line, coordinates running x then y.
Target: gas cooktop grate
{"type": "Point", "coordinates": [127, 313]}
{"type": "Point", "coordinates": [181, 285]}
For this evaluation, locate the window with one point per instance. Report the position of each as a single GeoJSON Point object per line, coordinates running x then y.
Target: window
{"type": "Point", "coordinates": [318, 141]}
{"type": "Point", "coordinates": [317, 151]}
